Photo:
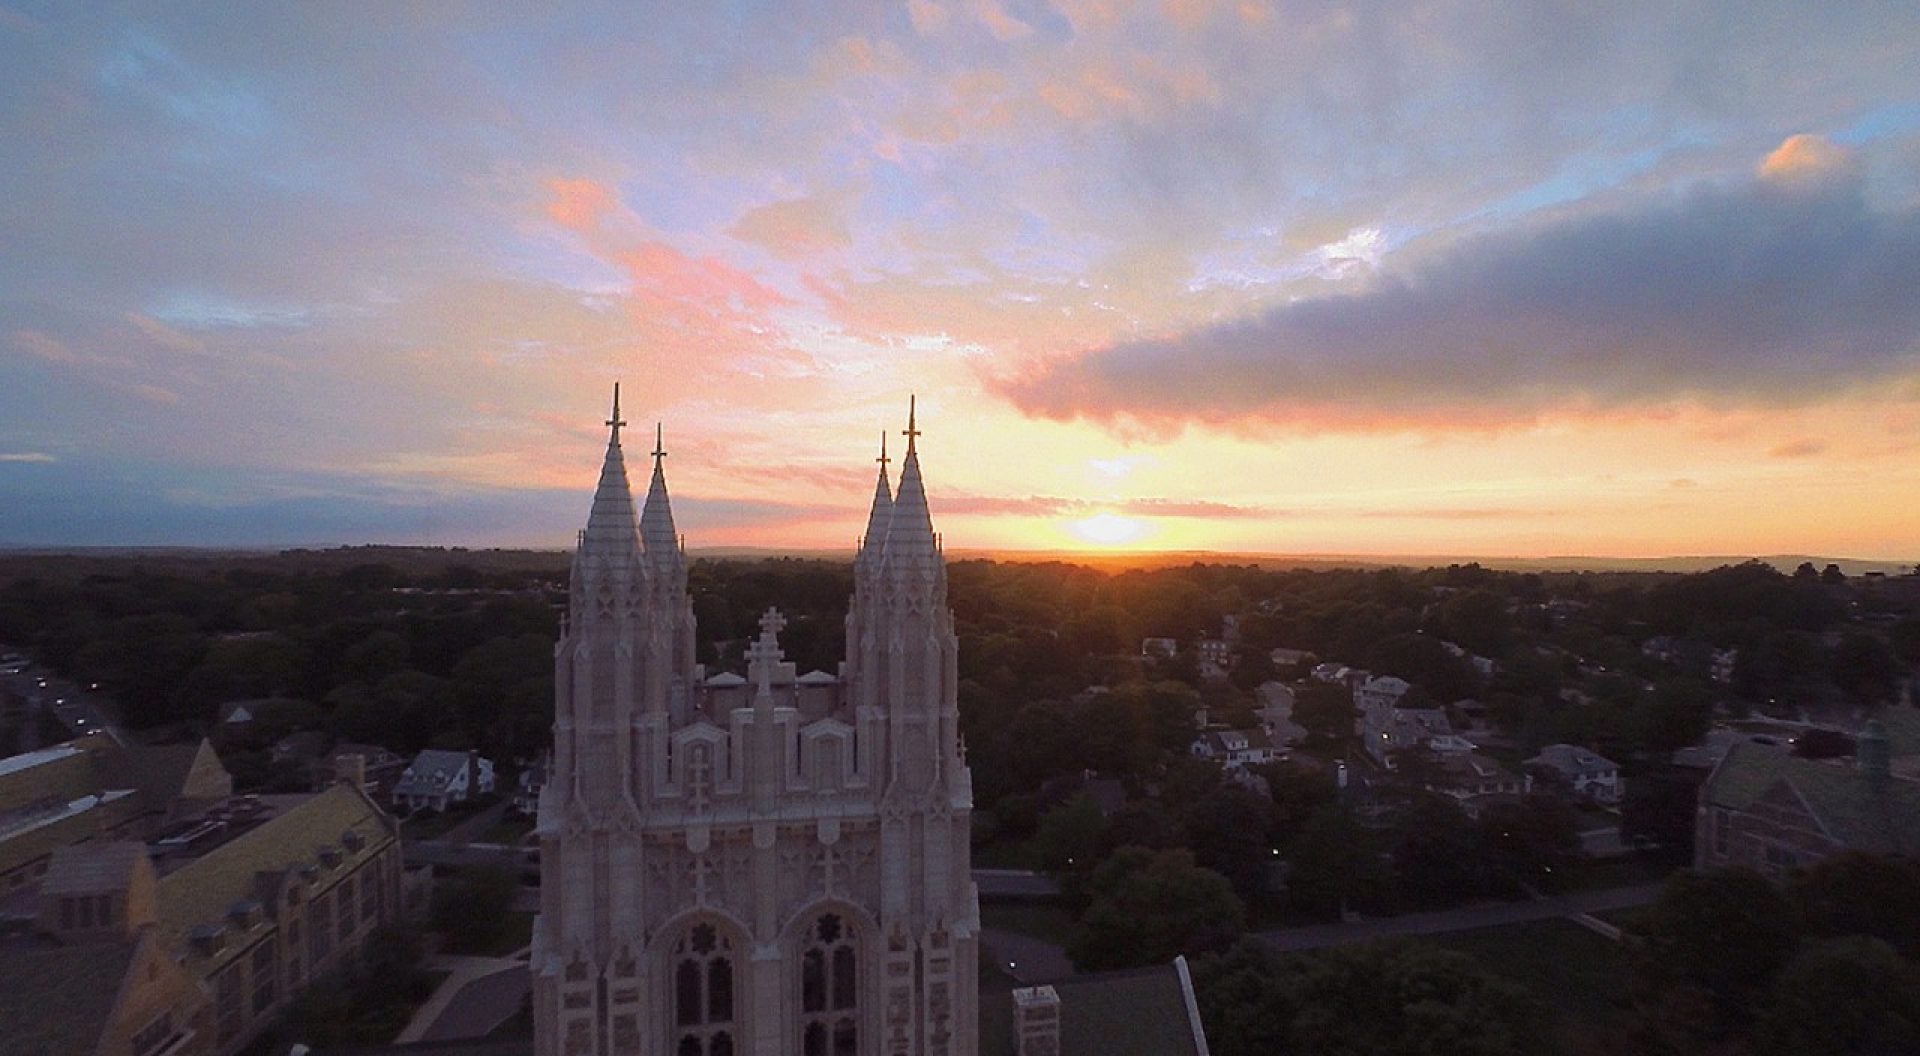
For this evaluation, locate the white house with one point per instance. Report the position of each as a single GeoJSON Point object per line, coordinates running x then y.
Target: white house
{"type": "Point", "coordinates": [1235, 749]}
{"type": "Point", "coordinates": [437, 778]}
{"type": "Point", "coordinates": [1589, 774]}
{"type": "Point", "coordinates": [1383, 692]}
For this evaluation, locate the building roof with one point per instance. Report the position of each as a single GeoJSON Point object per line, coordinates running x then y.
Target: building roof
{"type": "Point", "coordinates": [1852, 809]}
{"type": "Point", "coordinates": [1141, 1012]}
{"type": "Point", "coordinates": [1571, 759]}
{"type": "Point", "coordinates": [1386, 684]}
{"type": "Point", "coordinates": [431, 771]}
{"type": "Point", "coordinates": [92, 868]}
{"type": "Point", "coordinates": [55, 1001]}
{"type": "Point", "coordinates": [205, 889]}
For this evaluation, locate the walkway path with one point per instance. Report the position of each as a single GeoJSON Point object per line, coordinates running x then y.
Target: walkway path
{"type": "Point", "coordinates": [479, 994]}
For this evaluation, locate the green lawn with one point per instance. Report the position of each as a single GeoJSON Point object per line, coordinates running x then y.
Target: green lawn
{"type": "Point", "coordinates": [1577, 974]}
{"type": "Point", "coordinates": [428, 826]}
{"type": "Point", "coordinates": [1608, 872]}
{"type": "Point", "coordinates": [1039, 920]}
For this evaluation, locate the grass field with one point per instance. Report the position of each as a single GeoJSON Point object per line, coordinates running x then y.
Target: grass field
{"type": "Point", "coordinates": [1039, 920]}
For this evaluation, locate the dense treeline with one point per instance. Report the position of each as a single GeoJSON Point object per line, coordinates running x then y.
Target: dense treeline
{"type": "Point", "coordinates": [456, 651]}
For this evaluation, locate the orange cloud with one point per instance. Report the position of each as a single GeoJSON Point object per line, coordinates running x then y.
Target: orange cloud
{"type": "Point", "coordinates": [795, 227]}
{"type": "Point", "coordinates": [1805, 157]}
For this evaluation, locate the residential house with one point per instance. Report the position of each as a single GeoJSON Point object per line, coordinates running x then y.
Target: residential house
{"type": "Point", "coordinates": [1766, 809]}
{"type": "Point", "coordinates": [1585, 773]}
{"type": "Point", "coordinates": [437, 779]}
{"type": "Point", "coordinates": [1386, 727]}
{"type": "Point", "coordinates": [1165, 648]}
{"type": "Point", "coordinates": [1290, 657]}
{"type": "Point", "coordinates": [1276, 714]}
{"type": "Point", "coordinates": [526, 792]}
{"type": "Point", "coordinates": [1473, 780]}
{"type": "Point", "coordinates": [379, 768]}
{"type": "Point", "coordinates": [1216, 658]}
{"type": "Point", "coordinates": [1235, 749]}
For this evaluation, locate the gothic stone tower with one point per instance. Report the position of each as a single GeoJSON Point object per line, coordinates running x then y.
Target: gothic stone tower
{"type": "Point", "coordinates": [773, 865]}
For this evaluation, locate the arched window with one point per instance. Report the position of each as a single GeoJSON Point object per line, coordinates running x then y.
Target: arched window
{"type": "Point", "coordinates": [703, 1020]}
{"type": "Point", "coordinates": [829, 989]}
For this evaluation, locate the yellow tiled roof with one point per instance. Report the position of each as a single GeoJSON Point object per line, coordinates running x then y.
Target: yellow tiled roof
{"type": "Point", "coordinates": [204, 890]}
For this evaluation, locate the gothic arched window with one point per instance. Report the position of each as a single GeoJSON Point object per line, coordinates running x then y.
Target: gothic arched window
{"type": "Point", "coordinates": [703, 1017]}
{"type": "Point", "coordinates": [829, 989]}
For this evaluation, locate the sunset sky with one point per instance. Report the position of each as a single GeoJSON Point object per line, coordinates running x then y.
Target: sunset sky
{"type": "Point", "coordinates": [1423, 278]}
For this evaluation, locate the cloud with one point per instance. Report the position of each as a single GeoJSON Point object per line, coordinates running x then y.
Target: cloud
{"type": "Point", "coordinates": [1806, 157]}
{"type": "Point", "coordinates": [1798, 449]}
{"type": "Point", "coordinates": [1054, 506]}
{"type": "Point", "coordinates": [1767, 292]}
{"type": "Point", "coordinates": [26, 456]}
{"type": "Point", "coordinates": [795, 228]}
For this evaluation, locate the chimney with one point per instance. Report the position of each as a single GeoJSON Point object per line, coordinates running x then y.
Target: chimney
{"type": "Point", "coordinates": [351, 769]}
{"type": "Point", "coordinates": [1036, 1021]}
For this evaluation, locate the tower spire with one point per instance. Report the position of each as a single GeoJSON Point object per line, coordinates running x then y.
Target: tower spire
{"type": "Point", "coordinates": [659, 439]}
{"type": "Point", "coordinates": [910, 432]}
{"type": "Point", "coordinates": [616, 421]}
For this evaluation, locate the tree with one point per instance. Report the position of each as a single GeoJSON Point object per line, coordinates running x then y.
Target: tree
{"type": "Point", "coordinates": [1832, 574]}
{"type": "Point", "coordinates": [1438, 855]}
{"type": "Point", "coordinates": [1850, 996]}
{"type": "Point", "coordinates": [1723, 933]}
{"type": "Point", "coordinates": [1229, 832]}
{"type": "Point", "coordinates": [1325, 710]}
{"type": "Point", "coordinates": [1863, 894]}
{"type": "Point", "coordinates": [1476, 619]}
{"type": "Point", "coordinates": [1297, 793]}
{"type": "Point", "coordinates": [1150, 906]}
{"type": "Point", "coordinates": [1423, 661]}
{"type": "Point", "coordinates": [1333, 863]}
{"type": "Point", "coordinates": [1361, 1001]}
{"type": "Point", "coordinates": [1530, 837]}
{"type": "Point", "coordinates": [1068, 840]}
{"type": "Point", "coordinates": [1865, 668]}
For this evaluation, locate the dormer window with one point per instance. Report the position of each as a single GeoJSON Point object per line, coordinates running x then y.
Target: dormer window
{"type": "Point", "coordinates": [330, 857]}
{"type": "Point", "coordinates": [352, 841]}
{"type": "Point", "coordinates": [207, 939]}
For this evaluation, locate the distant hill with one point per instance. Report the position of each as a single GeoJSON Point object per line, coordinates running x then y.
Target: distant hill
{"type": "Point", "coordinates": [33, 560]}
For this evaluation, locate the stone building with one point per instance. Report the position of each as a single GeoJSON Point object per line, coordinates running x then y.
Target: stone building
{"type": "Point", "coordinates": [192, 952]}
{"type": "Point", "coordinates": [774, 864]}
{"type": "Point", "coordinates": [1768, 810]}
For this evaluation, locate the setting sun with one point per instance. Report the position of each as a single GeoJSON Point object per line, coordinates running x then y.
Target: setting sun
{"type": "Point", "coordinates": [1108, 529]}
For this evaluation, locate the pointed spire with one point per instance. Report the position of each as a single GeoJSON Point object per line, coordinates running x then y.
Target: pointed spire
{"type": "Point", "coordinates": [882, 511]}
{"type": "Point", "coordinates": [910, 528]}
{"type": "Point", "coordinates": [656, 517]}
{"type": "Point", "coordinates": [610, 525]}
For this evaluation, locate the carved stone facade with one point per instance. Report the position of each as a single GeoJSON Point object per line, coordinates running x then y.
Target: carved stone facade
{"type": "Point", "coordinates": [775, 864]}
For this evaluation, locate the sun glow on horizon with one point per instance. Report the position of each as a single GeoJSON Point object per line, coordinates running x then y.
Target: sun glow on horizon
{"type": "Point", "coordinates": [1108, 529]}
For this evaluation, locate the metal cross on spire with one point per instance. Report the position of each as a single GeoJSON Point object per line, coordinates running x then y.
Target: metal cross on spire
{"type": "Point", "coordinates": [659, 444]}
{"type": "Point", "coordinates": [883, 459]}
{"type": "Point", "coordinates": [616, 421]}
{"type": "Point", "coordinates": [910, 432]}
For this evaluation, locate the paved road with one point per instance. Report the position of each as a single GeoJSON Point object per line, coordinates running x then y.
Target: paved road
{"type": "Point", "coordinates": [78, 709]}
{"type": "Point", "coordinates": [1466, 918]}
